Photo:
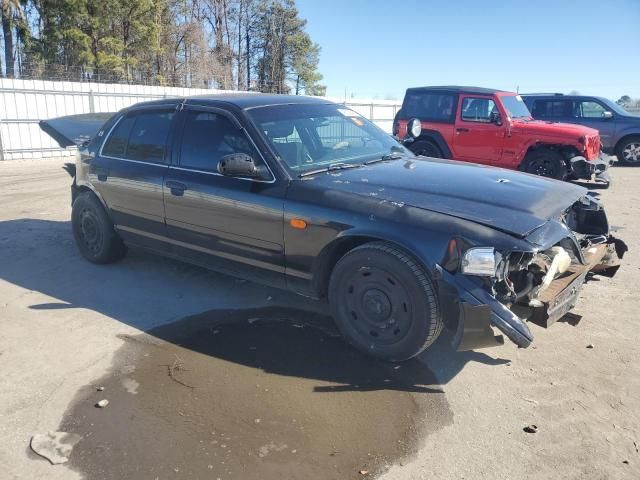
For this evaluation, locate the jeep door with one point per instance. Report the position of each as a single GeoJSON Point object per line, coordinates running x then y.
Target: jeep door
{"type": "Point", "coordinates": [128, 170]}
{"type": "Point", "coordinates": [230, 224]}
{"type": "Point", "coordinates": [477, 139]}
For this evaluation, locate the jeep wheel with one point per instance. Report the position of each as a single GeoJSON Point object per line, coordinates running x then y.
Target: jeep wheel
{"type": "Point", "coordinates": [546, 163]}
{"type": "Point", "coordinates": [628, 151]}
{"type": "Point", "coordinates": [426, 148]}
{"type": "Point", "coordinates": [384, 303]}
{"type": "Point", "coordinates": [93, 231]}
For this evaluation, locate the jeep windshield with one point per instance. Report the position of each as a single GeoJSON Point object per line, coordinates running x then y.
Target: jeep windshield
{"type": "Point", "coordinates": [515, 106]}
{"type": "Point", "coordinates": [312, 138]}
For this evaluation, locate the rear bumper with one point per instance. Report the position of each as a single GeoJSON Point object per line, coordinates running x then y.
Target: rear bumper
{"type": "Point", "coordinates": [474, 313]}
{"type": "Point", "coordinates": [596, 169]}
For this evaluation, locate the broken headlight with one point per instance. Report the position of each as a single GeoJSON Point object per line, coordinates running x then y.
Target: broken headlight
{"type": "Point", "coordinates": [480, 261]}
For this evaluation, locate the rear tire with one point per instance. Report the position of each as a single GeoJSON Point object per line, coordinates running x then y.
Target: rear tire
{"type": "Point", "coordinates": [384, 302]}
{"type": "Point", "coordinates": [628, 151]}
{"type": "Point", "coordinates": [426, 148]}
{"type": "Point", "coordinates": [95, 236]}
{"type": "Point", "coordinates": [545, 163]}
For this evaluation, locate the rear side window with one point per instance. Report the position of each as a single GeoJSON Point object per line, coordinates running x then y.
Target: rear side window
{"type": "Point", "coordinates": [208, 137]}
{"type": "Point", "coordinates": [435, 107]}
{"type": "Point", "coordinates": [140, 136]}
{"type": "Point", "coordinates": [116, 145]}
{"type": "Point", "coordinates": [550, 108]}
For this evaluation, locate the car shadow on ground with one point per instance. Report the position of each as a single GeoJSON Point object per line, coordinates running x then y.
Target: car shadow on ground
{"type": "Point", "coordinates": [256, 326]}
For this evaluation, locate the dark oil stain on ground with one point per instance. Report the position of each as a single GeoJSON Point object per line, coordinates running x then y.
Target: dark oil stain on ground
{"type": "Point", "coordinates": [269, 393]}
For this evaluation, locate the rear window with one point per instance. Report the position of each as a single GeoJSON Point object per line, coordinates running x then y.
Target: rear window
{"type": "Point", "coordinates": [140, 136]}
{"type": "Point", "coordinates": [551, 108]}
{"type": "Point", "coordinates": [431, 106]}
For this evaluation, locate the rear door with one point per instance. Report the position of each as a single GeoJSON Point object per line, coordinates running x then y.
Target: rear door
{"type": "Point", "coordinates": [551, 109]}
{"type": "Point", "coordinates": [230, 224]}
{"type": "Point", "coordinates": [476, 138]}
{"type": "Point", "coordinates": [128, 172]}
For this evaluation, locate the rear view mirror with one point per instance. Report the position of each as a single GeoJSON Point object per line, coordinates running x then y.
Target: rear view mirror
{"type": "Point", "coordinates": [496, 118]}
{"type": "Point", "coordinates": [607, 115]}
{"type": "Point", "coordinates": [241, 165]}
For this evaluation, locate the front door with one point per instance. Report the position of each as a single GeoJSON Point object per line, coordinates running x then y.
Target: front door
{"type": "Point", "coordinates": [477, 139]}
{"type": "Point", "coordinates": [230, 224]}
{"type": "Point", "coordinates": [591, 113]}
{"type": "Point", "coordinates": [128, 173]}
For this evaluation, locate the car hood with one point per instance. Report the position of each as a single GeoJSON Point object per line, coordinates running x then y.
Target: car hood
{"type": "Point", "coordinates": [510, 201]}
{"type": "Point", "coordinates": [541, 127]}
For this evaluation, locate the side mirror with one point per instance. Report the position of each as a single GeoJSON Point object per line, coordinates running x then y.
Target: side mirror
{"type": "Point", "coordinates": [414, 128]}
{"type": "Point", "coordinates": [607, 115]}
{"type": "Point", "coordinates": [495, 118]}
{"type": "Point", "coordinates": [241, 165]}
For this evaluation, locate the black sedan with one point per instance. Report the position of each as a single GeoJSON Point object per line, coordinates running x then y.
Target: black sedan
{"type": "Point", "coordinates": [309, 196]}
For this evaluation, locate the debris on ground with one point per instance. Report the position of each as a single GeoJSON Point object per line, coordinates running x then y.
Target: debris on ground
{"type": "Point", "coordinates": [364, 472]}
{"type": "Point", "coordinates": [177, 367]}
{"type": "Point", "coordinates": [590, 345]}
{"type": "Point", "coordinates": [102, 403]}
{"type": "Point", "coordinates": [531, 429]}
{"type": "Point", "coordinates": [54, 446]}
{"type": "Point", "coordinates": [100, 389]}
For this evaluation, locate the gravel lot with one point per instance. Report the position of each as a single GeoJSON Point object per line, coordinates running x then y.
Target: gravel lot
{"type": "Point", "coordinates": [191, 360]}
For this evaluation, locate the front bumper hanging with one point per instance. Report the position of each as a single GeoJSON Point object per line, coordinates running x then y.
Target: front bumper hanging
{"type": "Point", "coordinates": [596, 169]}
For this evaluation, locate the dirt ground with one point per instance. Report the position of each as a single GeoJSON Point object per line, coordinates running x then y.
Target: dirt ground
{"type": "Point", "coordinates": [211, 377]}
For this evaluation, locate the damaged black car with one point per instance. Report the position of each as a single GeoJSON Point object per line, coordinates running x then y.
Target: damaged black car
{"type": "Point", "coordinates": [309, 196]}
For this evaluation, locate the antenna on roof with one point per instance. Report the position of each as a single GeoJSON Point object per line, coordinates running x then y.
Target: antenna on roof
{"type": "Point", "coordinates": [517, 88]}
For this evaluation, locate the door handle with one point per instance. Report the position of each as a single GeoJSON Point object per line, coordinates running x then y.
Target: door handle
{"type": "Point", "coordinates": [176, 188]}
{"type": "Point", "coordinates": [102, 174]}
{"type": "Point", "coordinates": [460, 130]}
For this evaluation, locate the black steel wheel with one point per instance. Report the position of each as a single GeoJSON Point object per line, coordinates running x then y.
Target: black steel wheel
{"type": "Point", "coordinates": [546, 163]}
{"type": "Point", "coordinates": [384, 302]}
{"type": "Point", "coordinates": [426, 148]}
{"type": "Point", "coordinates": [93, 231]}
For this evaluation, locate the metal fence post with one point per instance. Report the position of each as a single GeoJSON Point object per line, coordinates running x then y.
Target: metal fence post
{"type": "Point", "coordinates": [92, 107]}
{"type": "Point", "coordinates": [371, 112]}
{"type": "Point", "coordinates": [1, 145]}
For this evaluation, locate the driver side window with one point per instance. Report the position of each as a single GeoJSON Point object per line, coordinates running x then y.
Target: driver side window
{"type": "Point", "coordinates": [476, 109]}
{"type": "Point", "coordinates": [589, 110]}
{"type": "Point", "coordinates": [209, 136]}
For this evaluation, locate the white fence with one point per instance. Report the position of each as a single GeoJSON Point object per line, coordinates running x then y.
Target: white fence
{"type": "Point", "coordinates": [23, 103]}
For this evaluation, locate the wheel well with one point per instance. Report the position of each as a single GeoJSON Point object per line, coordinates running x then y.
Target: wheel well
{"type": "Point", "coordinates": [623, 139]}
{"type": "Point", "coordinates": [567, 152]}
{"type": "Point", "coordinates": [329, 257]}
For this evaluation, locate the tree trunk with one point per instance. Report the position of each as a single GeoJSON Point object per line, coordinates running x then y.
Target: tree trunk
{"type": "Point", "coordinates": [7, 32]}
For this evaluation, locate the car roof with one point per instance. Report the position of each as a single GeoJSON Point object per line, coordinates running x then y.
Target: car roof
{"type": "Point", "coordinates": [241, 100]}
{"type": "Point", "coordinates": [250, 100]}
{"type": "Point", "coordinates": [561, 96]}
{"type": "Point", "coordinates": [455, 89]}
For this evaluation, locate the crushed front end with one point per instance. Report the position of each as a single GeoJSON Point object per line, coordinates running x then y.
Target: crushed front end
{"type": "Point", "coordinates": [482, 288]}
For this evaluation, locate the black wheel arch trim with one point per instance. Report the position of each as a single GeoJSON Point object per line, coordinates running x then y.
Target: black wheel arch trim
{"type": "Point", "coordinates": [437, 138]}
{"type": "Point", "coordinates": [327, 259]}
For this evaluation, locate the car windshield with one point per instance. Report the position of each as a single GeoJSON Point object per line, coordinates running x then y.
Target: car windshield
{"type": "Point", "coordinates": [614, 106]}
{"type": "Point", "coordinates": [515, 106]}
{"type": "Point", "coordinates": [309, 137]}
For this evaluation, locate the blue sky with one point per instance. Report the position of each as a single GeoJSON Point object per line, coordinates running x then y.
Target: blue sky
{"type": "Point", "coordinates": [377, 48]}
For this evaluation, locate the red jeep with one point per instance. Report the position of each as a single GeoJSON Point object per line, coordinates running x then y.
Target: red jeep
{"type": "Point", "coordinates": [496, 128]}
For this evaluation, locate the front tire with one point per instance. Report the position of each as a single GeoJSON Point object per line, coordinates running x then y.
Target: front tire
{"type": "Point", "coordinates": [628, 151]}
{"type": "Point", "coordinates": [95, 236]}
{"type": "Point", "coordinates": [545, 163]}
{"type": "Point", "coordinates": [384, 302]}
